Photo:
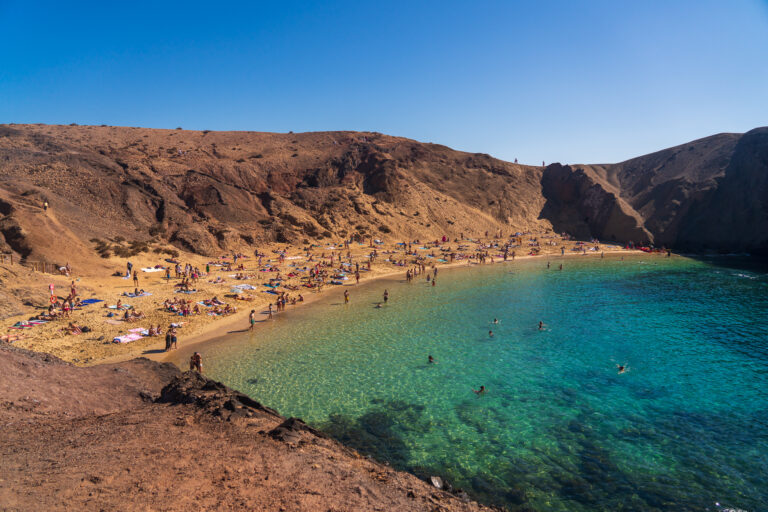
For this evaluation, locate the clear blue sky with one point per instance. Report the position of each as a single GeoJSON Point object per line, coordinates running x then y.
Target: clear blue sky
{"type": "Point", "coordinates": [569, 81]}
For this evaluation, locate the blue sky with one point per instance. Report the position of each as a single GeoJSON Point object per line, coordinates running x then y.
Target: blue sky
{"type": "Point", "coordinates": [568, 81]}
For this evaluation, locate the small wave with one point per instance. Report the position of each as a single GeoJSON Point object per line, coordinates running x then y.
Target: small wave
{"type": "Point", "coordinates": [748, 276]}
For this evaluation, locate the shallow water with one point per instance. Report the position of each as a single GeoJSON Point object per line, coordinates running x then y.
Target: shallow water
{"type": "Point", "coordinates": [559, 429]}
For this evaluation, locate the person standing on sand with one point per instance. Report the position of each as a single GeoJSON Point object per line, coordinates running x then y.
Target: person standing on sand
{"type": "Point", "coordinates": [346, 296]}
{"type": "Point", "coordinates": [357, 277]}
{"type": "Point", "coordinates": [45, 206]}
{"type": "Point", "coordinates": [196, 362]}
{"type": "Point", "coordinates": [252, 319]}
{"type": "Point", "coordinates": [135, 279]}
{"type": "Point", "coordinates": [168, 273]}
{"type": "Point", "coordinates": [270, 311]}
{"type": "Point", "coordinates": [174, 339]}
{"type": "Point", "coordinates": [386, 296]}
{"type": "Point", "coordinates": [168, 339]}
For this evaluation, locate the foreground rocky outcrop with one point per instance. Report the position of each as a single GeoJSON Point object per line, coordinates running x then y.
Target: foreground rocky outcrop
{"type": "Point", "coordinates": [141, 435]}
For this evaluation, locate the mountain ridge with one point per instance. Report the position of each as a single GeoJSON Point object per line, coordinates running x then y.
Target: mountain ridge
{"type": "Point", "coordinates": [209, 192]}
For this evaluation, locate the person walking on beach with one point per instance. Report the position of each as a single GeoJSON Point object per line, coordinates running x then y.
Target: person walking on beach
{"type": "Point", "coordinates": [168, 340]}
{"type": "Point", "coordinates": [252, 319]}
{"type": "Point", "coordinates": [386, 296]}
{"type": "Point", "coordinates": [135, 279]}
{"type": "Point", "coordinates": [196, 362]}
{"type": "Point", "coordinates": [270, 311]}
{"type": "Point", "coordinates": [346, 296]}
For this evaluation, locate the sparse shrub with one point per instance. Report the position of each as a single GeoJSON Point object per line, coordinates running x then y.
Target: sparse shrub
{"type": "Point", "coordinates": [173, 253]}
{"type": "Point", "coordinates": [73, 124]}
{"type": "Point", "coordinates": [241, 160]}
{"type": "Point", "coordinates": [178, 128]}
{"type": "Point", "coordinates": [156, 230]}
{"type": "Point", "coordinates": [119, 239]}
{"type": "Point", "coordinates": [384, 229]}
{"type": "Point", "coordinates": [326, 234]}
{"type": "Point", "coordinates": [206, 132]}
{"type": "Point", "coordinates": [257, 155]}
{"type": "Point", "coordinates": [294, 155]}
{"type": "Point", "coordinates": [105, 254]}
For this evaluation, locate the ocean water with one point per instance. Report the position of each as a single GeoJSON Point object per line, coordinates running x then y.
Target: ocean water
{"type": "Point", "coordinates": [685, 428]}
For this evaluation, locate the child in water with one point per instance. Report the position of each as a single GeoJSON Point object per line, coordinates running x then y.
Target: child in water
{"type": "Point", "coordinates": [480, 391]}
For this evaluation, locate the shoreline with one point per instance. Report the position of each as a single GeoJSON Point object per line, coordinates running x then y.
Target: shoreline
{"type": "Point", "coordinates": [213, 332]}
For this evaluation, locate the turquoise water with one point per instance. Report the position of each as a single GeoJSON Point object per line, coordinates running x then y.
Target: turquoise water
{"type": "Point", "coordinates": [559, 429]}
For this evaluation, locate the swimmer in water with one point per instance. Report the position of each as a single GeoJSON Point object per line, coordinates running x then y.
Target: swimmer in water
{"type": "Point", "coordinates": [495, 320]}
{"type": "Point", "coordinates": [622, 368]}
{"type": "Point", "coordinates": [431, 360]}
{"type": "Point", "coordinates": [480, 391]}
{"type": "Point", "coordinates": [541, 325]}
{"type": "Point", "coordinates": [490, 334]}
{"type": "Point", "coordinates": [378, 305]}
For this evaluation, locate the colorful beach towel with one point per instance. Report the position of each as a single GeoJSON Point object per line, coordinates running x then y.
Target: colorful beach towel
{"type": "Point", "coordinates": [127, 338]}
{"type": "Point", "coordinates": [90, 301]}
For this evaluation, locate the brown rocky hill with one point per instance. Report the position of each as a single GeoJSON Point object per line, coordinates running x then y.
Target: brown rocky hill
{"type": "Point", "coordinates": [211, 191]}
{"type": "Point", "coordinates": [207, 192]}
{"type": "Point", "coordinates": [709, 194]}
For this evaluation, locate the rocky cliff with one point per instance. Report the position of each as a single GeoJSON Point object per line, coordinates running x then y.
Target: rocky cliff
{"type": "Point", "coordinates": [207, 192]}
{"type": "Point", "coordinates": [709, 194]}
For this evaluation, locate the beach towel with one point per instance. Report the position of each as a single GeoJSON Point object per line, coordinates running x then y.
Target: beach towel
{"type": "Point", "coordinates": [127, 338]}
{"type": "Point", "coordinates": [124, 306]}
{"type": "Point", "coordinates": [133, 295]}
{"type": "Point", "coordinates": [186, 291]}
{"type": "Point", "coordinates": [113, 322]}
{"type": "Point", "coordinates": [90, 301]}
{"type": "Point", "coordinates": [244, 287]}
{"type": "Point", "coordinates": [152, 269]}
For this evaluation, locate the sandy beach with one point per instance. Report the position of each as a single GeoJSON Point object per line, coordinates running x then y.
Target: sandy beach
{"type": "Point", "coordinates": [97, 346]}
